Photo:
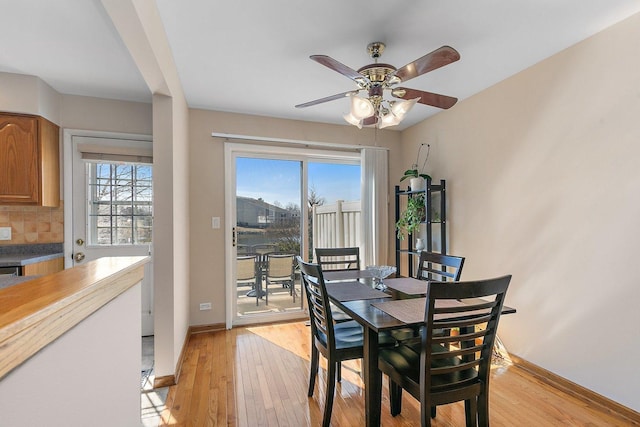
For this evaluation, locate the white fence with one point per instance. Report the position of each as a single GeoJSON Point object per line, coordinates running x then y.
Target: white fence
{"type": "Point", "coordinates": [337, 225]}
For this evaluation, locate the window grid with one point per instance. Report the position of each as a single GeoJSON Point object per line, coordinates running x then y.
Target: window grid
{"type": "Point", "coordinates": [120, 204]}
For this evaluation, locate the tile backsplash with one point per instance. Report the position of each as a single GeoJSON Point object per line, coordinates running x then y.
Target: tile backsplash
{"type": "Point", "coordinates": [33, 224]}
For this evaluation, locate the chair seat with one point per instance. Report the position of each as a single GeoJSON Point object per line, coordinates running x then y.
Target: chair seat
{"type": "Point", "coordinates": [338, 315]}
{"type": "Point", "coordinates": [405, 359]}
{"type": "Point", "coordinates": [349, 334]}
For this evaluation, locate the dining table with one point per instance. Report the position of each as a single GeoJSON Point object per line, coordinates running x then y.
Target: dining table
{"type": "Point", "coordinates": [379, 312]}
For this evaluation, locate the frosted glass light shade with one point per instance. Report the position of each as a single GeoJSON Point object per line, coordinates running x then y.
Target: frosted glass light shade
{"type": "Point", "coordinates": [400, 108]}
{"type": "Point", "coordinates": [353, 120]}
{"type": "Point", "coordinates": [388, 119]}
{"type": "Point", "coordinates": [361, 108]}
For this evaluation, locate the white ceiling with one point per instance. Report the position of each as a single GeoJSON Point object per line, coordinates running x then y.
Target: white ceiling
{"type": "Point", "coordinates": [252, 56]}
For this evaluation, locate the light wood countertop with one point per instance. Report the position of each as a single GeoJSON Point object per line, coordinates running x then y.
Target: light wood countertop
{"type": "Point", "coordinates": [36, 312]}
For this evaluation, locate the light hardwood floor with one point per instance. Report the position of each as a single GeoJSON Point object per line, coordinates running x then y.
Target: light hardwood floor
{"type": "Point", "coordinates": [258, 376]}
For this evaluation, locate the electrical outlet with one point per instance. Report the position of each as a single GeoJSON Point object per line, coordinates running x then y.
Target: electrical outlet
{"type": "Point", "coordinates": [5, 233]}
{"type": "Point", "coordinates": [205, 306]}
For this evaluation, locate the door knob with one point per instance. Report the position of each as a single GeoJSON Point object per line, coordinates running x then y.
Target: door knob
{"type": "Point", "coordinates": [80, 242]}
{"type": "Point", "coordinates": [79, 256]}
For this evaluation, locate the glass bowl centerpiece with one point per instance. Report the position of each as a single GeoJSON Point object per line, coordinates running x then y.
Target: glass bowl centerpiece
{"type": "Point", "coordinates": [380, 272]}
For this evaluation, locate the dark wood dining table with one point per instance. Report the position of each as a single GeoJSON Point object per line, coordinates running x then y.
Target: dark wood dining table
{"type": "Point", "coordinates": [374, 321]}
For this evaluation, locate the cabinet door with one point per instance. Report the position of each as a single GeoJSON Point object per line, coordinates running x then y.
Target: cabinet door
{"type": "Point", "coordinates": [19, 159]}
{"type": "Point", "coordinates": [43, 267]}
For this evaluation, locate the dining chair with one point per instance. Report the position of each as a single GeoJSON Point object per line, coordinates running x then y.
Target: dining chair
{"type": "Point", "coordinates": [440, 369]}
{"type": "Point", "coordinates": [280, 269]}
{"type": "Point", "coordinates": [335, 341]}
{"type": "Point", "coordinates": [439, 267]}
{"type": "Point", "coordinates": [248, 274]}
{"type": "Point", "coordinates": [338, 259]}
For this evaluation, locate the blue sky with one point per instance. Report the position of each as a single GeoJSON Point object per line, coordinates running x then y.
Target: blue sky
{"type": "Point", "coordinates": [279, 180]}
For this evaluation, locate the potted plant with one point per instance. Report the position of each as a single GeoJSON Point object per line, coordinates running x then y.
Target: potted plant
{"type": "Point", "coordinates": [412, 216]}
{"type": "Point", "coordinates": [416, 178]}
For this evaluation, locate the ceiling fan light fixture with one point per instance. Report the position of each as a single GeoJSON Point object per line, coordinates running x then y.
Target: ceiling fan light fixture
{"type": "Point", "coordinates": [374, 80]}
{"type": "Point", "coordinates": [361, 108]}
{"type": "Point", "coordinates": [389, 119]}
{"type": "Point", "coordinates": [400, 108]}
{"type": "Point", "coordinates": [349, 118]}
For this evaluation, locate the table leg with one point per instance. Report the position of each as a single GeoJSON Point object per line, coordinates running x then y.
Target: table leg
{"type": "Point", "coordinates": [372, 379]}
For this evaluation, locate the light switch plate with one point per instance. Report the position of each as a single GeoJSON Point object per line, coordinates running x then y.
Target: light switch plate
{"type": "Point", "coordinates": [5, 233]}
{"type": "Point", "coordinates": [215, 222]}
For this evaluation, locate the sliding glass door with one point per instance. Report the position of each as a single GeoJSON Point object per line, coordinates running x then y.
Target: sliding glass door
{"type": "Point", "coordinates": [274, 192]}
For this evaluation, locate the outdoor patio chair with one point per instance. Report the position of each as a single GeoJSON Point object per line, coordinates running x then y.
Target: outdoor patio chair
{"type": "Point", "coordinates": [248, 274]}
{"type": "Point", "coordinates": [280, 269]}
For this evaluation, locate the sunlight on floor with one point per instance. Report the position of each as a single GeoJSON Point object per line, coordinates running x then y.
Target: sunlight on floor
{"type": "Point", "coordinates": [152, 402]}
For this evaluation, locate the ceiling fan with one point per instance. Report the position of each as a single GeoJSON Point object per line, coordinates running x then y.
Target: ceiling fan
{"type": "Point", "coordinates": [376, 78]}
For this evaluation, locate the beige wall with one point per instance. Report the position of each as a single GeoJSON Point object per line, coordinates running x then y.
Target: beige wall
{"type": "Point", "coordinates": [207, 180]}
{"type": "Point", "coordinates": [108, 115]}
{"type": "Point", "coordinates": [543, 182]}
{"type": "Point", "coordinates": [29, 95]}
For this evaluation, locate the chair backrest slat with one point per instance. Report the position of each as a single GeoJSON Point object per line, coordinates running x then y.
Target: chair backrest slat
{"type": "Point", "coordinates": [338, 259]}
{"type": "Point", "coordinates": [439, 267]}
{"type": "Point", "coordinates": [318, 300]}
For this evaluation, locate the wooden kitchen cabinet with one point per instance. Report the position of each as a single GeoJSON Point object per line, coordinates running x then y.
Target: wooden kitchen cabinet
{"type": "Point", "coordinates": [43, 267]}
{"type": "Point", "coordinates": [29, 161]}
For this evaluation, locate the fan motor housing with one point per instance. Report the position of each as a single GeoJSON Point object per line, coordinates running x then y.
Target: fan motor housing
{"type": "Point", "coordinates": [377, 73]}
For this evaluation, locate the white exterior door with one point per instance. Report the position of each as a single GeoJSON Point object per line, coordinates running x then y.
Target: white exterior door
{"type": "Point", "coordinates": [112, 208]}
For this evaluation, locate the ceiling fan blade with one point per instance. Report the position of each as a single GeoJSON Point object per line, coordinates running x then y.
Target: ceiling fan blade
{"type": "Point", "coordinates": [427, 98]}
{"type": "Point", "coordinates": [329, 62]}
{"type": "Point", "coordinates": [327, 99]}
{"type": "Point", "coordinates": [431, 61]}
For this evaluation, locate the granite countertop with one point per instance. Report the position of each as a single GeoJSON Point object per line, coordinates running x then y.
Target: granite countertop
{"type": "Point", "coordinates": [20, 255]}
{"type": "Point", "coordinates": [6, 281]}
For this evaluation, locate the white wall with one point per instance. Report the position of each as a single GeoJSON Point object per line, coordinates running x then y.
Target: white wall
{"type": "Point", "coordinates": [90, 376]}
{"type": "Point", "coordinates": [543, 182]}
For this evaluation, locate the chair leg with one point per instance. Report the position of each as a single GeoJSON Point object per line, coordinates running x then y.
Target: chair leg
{"type": "Point", "coordinates": [313, 371]}
{"type": "Point", "coordinates": [257, 291]}
{"type": "Point", "coordinates": [425, 415]}
{"type": "Point", "coordinates": [331, 386]}
{"type": "Point", "coordinates": [483, 409]}
{"type": "Point", "coordinates": [266, 292]}
{"type": "Point", "coordinates": [433, 412]}
{"type": "Point", "coordinates": [339, 371]}
{"type": "Point", "coordinates": [292, 290]}
{"type": "Point", "coordinates": [395, 398]}
{"type": "Point", "coordinates": [471, 412]}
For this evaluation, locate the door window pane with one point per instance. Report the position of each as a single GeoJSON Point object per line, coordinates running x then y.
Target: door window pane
{"type": "Point", "coordinates": [120, 204]}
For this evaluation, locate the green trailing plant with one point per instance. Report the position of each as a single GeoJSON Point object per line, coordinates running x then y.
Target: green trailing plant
{"type": "Point", "coordinates": [412, 216]}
